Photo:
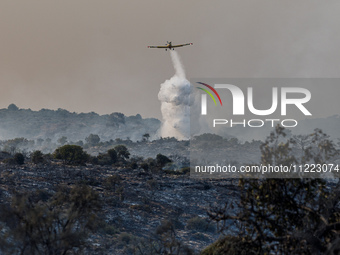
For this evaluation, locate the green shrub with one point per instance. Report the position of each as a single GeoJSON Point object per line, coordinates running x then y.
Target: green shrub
{"type": "Point", "coordinates": [113, 155]}
{"type": "Point", "coordinates": [162, 160]}
{"type": "Point", "coordinates": [122, 152]}
{"type": "Point", "coordinates": [40, 223]}
{"type": "Point", "coordinates": [37, 157]}
{"type": "Point", "coordinates": [134, 165]}
{"type": "Point", "coordinates": [19, 158]}
{"type": "Point", "coordinates": [103, 160]}
{"type": "Point", "coordinates": [112, 181]}
{"type": "Point", "coordinates": [145, 166]}
{"type": "Point", "coordinates": [71, 155]}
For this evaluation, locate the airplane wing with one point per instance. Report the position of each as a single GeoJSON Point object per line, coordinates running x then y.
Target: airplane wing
{"type": "Point", "coordinates": [161, 47]}
{"type": "Point", "coordinates": [180, 45]}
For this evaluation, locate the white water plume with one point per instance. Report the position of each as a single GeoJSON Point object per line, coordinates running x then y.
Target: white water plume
{"type": "Point", "coordinates": [175, 97]}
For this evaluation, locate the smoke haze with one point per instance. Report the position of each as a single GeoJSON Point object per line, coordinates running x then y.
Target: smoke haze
{"type": "Point", "coordinates": [85, 56]}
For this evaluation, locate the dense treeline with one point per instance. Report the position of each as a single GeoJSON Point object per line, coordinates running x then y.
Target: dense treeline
{"type": "Point", "coordinates": [53, 124]}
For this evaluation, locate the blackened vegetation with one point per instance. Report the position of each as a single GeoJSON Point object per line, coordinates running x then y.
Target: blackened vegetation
{"type": "Point", "coordinates": [75, 201]}
{"type": "Point", "coordinates": [59, 204]}
{"type": "Point", "coordinates": [283, 216]}
{"type": "Point", "coordinates": [42, 223]}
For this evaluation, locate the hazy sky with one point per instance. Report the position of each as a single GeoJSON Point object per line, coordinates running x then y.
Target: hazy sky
{"type": "Point", "coordinates": [86, 55]}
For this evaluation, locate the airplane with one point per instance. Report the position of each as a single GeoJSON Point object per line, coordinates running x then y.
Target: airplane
{"type": "Point", "coordinates": [169, 46]}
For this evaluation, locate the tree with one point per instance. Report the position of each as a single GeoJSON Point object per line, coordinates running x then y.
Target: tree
{"type": "Point", "coordinates": [13, 145]}
{"type": "Point", "coordinates": [116, 119]}
{"type": "Point", "coordinates": [122, 152]}
{"type": "Point", "coordinates": [146, 137]}
{"type": "Point", "coordinates": [284, 216]}
{"type": "Point", "coordinates": [113, 155]}
{"type": "Point", "coordinates": [162, 160]}
{"type": "Point", "coordinates": [37, 157]}
{"type": "Point", "coordinates": [56, 225]}
{"type": "Point", "coordinates": [71, 154]}
{"type": "Point", "coordinates": [145, 166]}
{"type": "Point", "coordinates": [13, 107]}
{"type": "Point", "coordinates": [19, 158]}
{"type": "Point", "coordinates": [92, 139]}
{"type": "Point", "coordinates": [108, 158]}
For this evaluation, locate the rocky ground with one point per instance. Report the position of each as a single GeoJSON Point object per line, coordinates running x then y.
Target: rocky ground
{"type": "Point", "coordinates": [135, 205]}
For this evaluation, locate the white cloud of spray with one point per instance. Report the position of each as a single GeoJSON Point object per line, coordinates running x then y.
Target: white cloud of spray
{"type": "Point", "coordinates": [174, 95]}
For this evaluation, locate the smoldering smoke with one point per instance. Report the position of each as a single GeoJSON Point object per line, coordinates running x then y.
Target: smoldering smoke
{"type": "Point", "coordinates": [174, 95]}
